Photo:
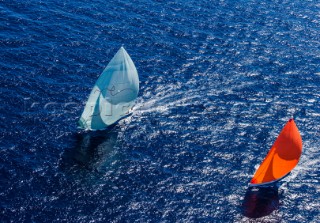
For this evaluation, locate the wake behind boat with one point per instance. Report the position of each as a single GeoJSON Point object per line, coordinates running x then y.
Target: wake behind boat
{"type": "Point", "coordinates": [113, 94]}
{"type": "Point", "coordinates": [283, 156]}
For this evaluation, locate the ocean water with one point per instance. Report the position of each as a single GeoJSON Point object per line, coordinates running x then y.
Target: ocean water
{"type": "Point", "coordinates": [219, 79]}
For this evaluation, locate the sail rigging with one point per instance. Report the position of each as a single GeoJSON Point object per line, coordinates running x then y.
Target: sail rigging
{"type": "Point", "coordinates": [283, 156]}
{"type": "Point", "coordinates": [113, 94]}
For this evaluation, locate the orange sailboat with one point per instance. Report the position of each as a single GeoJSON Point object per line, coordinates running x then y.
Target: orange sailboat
{"type": "Point", "coordinates": [282, 158]}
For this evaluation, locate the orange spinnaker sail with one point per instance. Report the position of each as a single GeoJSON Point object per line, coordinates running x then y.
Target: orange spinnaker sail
{"type": "Point", "coordinates": [283, 156]}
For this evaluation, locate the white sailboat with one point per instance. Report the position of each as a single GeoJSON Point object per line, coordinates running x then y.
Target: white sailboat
{"type": "Point", "coordinates": [113, 94]}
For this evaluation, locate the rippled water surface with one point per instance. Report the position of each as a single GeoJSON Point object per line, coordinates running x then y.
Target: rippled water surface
{"type": "Point", "coordinates": [219, 79]}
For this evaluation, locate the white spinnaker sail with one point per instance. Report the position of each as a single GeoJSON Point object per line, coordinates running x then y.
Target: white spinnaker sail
{"type": "Point", "coordinates": [113, 94]}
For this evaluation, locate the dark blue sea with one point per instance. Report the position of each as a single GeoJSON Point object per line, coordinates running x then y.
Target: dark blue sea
{"type": "Point", "coordinates": [218, 81]}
